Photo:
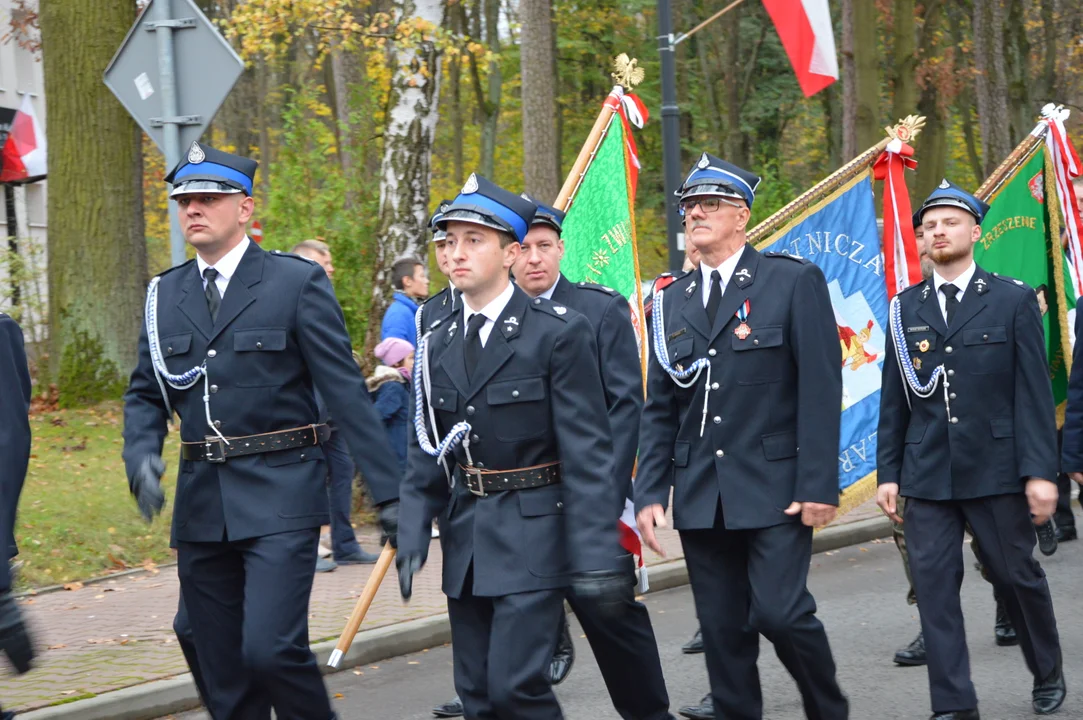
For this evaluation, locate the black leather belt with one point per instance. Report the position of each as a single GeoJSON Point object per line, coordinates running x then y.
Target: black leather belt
{"type": "Point", "coordinates": [482, 482]}
{"type": "Point", "coordinates": [214, 450]}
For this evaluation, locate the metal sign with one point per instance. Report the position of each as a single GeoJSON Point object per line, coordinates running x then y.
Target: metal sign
{"type": "Point", "coordinates": [204, 70]}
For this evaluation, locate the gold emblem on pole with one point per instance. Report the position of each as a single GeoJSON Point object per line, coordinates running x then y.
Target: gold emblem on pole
{"type": "Point", "coordinates": [628, 73]}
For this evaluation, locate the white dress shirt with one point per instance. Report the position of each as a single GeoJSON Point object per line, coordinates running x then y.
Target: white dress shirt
{"type": "Point", "coordinates": [725, 270]}
{"type": "Point", "coordinates": [226, 267]}
{"type": "Point", "coordinates": [491, 312]}
{"type": "Point", "coordinates": [548, 294]}
{"type": "Point", "coordinates": [960, 282]}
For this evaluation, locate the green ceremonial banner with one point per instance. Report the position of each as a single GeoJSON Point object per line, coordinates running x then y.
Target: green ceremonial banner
{"type": "Point", "coordinates": [599, 231]}
{"type": "Point", "coordinates": [1020, 240]}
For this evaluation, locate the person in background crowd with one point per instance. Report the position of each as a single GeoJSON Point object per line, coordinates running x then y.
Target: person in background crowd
{"type": "Point", "coordinates": [15, 641]}
{"type": "Point", "coordinates": [345, 550]}
{"type": "Point", "coordinates": [411, 282]}
{"type": "Point", "coordinates": [390, 388]}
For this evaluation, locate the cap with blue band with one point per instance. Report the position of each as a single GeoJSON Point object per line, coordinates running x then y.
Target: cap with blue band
{"type": "Point", "coordinates": [482, 202]}
{"type": "Point", "coordinates": [546, 215]}
{"type": "Point", "coordinates": [714, 176]}
{"type": "Point", "coordinates": [206, 170]}
{"type": "Point", "coordinates": [948, 194]}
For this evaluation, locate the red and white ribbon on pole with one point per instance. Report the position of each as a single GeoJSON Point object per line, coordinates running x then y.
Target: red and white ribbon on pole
{"type": "Point", "coordinates": [902, 261]}
{"type": "Point", "coordinates": [1066, 166]}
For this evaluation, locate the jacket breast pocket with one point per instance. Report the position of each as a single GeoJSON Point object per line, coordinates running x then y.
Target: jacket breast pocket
{"type": "Point", "coordinates": [444, 399]}
{"type": "Point", "coordinates": [680, 350]}
{"type": "Point", "coordinates": [259, 351]}
{"type": "Point", "coordinates": [987, 350]}
{"type": "Point", "coordinates": [519, 408]}
{"type": "Point", "coordinates": [175, 349]}
{"type": "Point", "coordinates": [761, 355]}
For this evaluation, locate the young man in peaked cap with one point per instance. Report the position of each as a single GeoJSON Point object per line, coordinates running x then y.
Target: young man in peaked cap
{"type": "Point", "coordinates": [235, 341]}
{"type": "Point", "coordinates": [744, 370]}
{"type": "Point", "coordinates": [967, 435]}
{"type": "Point", "coordinates": [514, 396]}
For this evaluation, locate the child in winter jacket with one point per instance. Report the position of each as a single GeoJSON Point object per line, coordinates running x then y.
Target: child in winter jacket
{"type": "Point", "coordinates": [390, 386]}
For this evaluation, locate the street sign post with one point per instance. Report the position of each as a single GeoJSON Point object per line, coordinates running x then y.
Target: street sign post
{"type": "Point", "coordinates": [172, 73]}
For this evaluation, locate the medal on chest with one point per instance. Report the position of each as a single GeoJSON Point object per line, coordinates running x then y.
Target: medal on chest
{"type": "Point", "coordinates": [742, 331]}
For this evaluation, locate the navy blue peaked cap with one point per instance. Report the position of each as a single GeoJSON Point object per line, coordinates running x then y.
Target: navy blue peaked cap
{"type": "Point", "coordinates": [714, 176]}
{"type": "Point", "coordinates": [948, 194]}
{"type": "Point", "coordinates": [482, 202]}
{"type": "Point", "coordinates": [546, 215]}
{"type": "Point", "coordinates": [437, 232]}
{"type": "Point", "coordinates": [206, 170]}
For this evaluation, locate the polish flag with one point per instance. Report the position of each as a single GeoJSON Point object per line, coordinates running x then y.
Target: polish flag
{"type": "Point", "coordinates": [24, 152]}
{"type": "Point", "coordinates": [804, 26]}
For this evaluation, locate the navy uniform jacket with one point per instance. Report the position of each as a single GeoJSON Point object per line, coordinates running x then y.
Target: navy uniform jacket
{"type": "Point", "coordinates": [619, 367]}
{"type": "Point", "coordinates": [535, 397]}
{"type": "Point", "coordinates": [14, 436]}
{"type": "Point", "coordinates": [1072, 432]}
{"type": "Point", "coordinates": [775, 391]}
{"type": "Point", "coordinates": [1002, 429]}
{"type": "Point", "coordinates": [280, 334]}
{"type": "Point", "coordinates": [439, 306]}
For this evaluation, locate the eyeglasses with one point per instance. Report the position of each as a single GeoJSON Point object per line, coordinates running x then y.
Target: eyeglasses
{"type": "Point", "coordinates": [708, 204]}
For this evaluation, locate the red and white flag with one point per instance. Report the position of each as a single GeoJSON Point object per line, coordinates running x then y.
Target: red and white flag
{"type": "Point", "coordinates": [804, 26]}
{"type": "Point", "coordinates": [24, 152]}
{"type": "Point", "coordinates": [1066, 167]}
{"type": "Point", "coordinates": [902, 259]}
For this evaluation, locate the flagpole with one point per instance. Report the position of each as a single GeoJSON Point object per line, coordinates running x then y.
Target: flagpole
{"type": "Point", "coordinates": [1017, 157]}
{"type": "Point", "coordinates": [590, 146]}
{"type": "Point", "coordinates": [905, 130]}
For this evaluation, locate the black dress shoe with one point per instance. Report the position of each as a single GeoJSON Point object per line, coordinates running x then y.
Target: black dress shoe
{"type": "Point", "coordinates": [913, 654]}
{"type": "Point", "coordinates": [1047, 537]}
{"type": "Point", "coordinates": [957, 715]}
{"type": "Point", "coordinates": [1004, 631]}
{"type": "Point", "coordinates": [1066, 534]}
{"type": "Point", "coordinates": [1049, 694]}
{"type": "Point", "coordinates": [695, 645]}
{"type": "Point", "coordinates": [563, 657]}
{"type": "Point", "coordinates": [449, 709]}
{"type": "Point", "coordinates": [703, 711]}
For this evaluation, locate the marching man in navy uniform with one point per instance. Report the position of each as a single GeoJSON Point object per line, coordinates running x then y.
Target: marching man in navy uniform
{"type": "Point", "coordinates": [624, 645]}
{"type": "Point", "coordinates": [513, 451]}
{"type": "Point", "coordinates": [967, 435]}
{"type": "Point", "coordinates": [744, 370]}
{"type": "Point", "coordinates": [235, 341]}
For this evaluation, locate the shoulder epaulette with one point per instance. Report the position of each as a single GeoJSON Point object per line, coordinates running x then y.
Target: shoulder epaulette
{"type": "Point", "coordinates": [186, 263]}
{"type": "Point", "coordinates": [594, 286]}
{"type": "Point", "coordinates": [280, 253]}
{"type": "Point", "coordinates": [773, 254]}
{"type": "Point", "coordinates": [915, 286]}
{"type": "Point", "coordinates": [550, 308]}
{"type": "Point", "coordinates": [1009, 280]}
{"type": "Point", "coordinates": [429, 299]}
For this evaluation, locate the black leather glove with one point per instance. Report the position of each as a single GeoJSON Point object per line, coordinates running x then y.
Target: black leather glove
{"type": "Point", "coordinates": [15, 641]}
{"type": "Point", "coordinates": [146, 486]}
{"type": "Point", "coordinates": [389, 524]}
{"type": "Point", "coordinates": [408, 564]}
{"type": "Point", "coordinates": [607, 590]}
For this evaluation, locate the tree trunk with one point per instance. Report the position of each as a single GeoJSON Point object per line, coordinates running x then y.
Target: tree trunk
{"type": "Point", "coordinates": [343, 80]}
{"type": "Point", "coordinates": [735, 139]}
{"type": "Point", "coordinates": [905, 61]}
{"type": "Point", "coordinates": [867, 71]}
{"type": "Point", "coordinates": [97, 251]}
{"type": "Point", "coordinates": [832, 127]}
{"type": "Point", "coordinates": [406, 171]}
{"type": "Point", "coordinates": [990, 83]}
{"type": "Point", "coordinates": [491, 106]}
{"type": "Point", "coordinates": [1019, 76]}
{"type": "Point", "coordinates": [455, 72]}
{"type": "Point", "coordinates": [1049, 52]}
{"type": "Point", "coordinates": [540, 170]}
{"type": "Point", "coordinates": [849, 83]}
{"type": "Point", "coordinates": [932, 142]}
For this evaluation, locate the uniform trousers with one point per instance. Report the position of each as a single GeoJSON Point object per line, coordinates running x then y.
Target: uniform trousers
{"type": "Point", "coordinates": [247, 601]}
{"type": "Point", "coordinates": [751, 582]}
{"type": "Point", "coordinates": [502, 647]}
{"type": "Point", "coordinates": [1002, 524]}
{"type": "Point", "coordinates": [626, 651]}
{"type": "Point", "coordinates": [340, 475]}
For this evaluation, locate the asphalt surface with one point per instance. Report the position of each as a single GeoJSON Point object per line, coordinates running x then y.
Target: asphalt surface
{"type": "Point", "coordinates": [861, 595]}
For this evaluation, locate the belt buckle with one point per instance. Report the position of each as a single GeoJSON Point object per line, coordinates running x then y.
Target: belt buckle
{"type": "Point", "coordinates": [476, 472]}
{"type": "Point", "coordinates": [214, 449]}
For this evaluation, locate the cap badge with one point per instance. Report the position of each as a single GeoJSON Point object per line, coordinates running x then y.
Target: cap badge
{"type": "Point", "coordinates": [196, 154]}
{"type": "Point", "coordinates": [471, 185]}
{"type": "Point", "coordinates": [559, 309]}
{"type": "Point", "coordinates": [944, 185]}
{"type": "Point", "coordinates": [703, 161]}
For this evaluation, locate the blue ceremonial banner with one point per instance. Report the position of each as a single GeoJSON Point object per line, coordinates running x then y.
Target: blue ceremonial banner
{"type": "Point", "coordinates": [839, 234]}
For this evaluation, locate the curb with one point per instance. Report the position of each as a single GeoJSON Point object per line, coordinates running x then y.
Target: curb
{"type": "Point", "coordinates": [178, 694]}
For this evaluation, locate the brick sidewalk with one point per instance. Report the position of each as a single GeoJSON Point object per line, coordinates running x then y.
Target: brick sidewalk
{"type": "Point", "coordinates": [119, 633]}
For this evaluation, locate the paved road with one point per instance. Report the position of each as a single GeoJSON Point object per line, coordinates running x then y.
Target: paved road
{"type": "Point", "coordinates": [860, 591]}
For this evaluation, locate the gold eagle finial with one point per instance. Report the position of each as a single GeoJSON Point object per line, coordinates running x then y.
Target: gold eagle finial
{"type": "Point", "coordinates": [627, 72]}
{"type": "Point", "coordinates": [907, 128]}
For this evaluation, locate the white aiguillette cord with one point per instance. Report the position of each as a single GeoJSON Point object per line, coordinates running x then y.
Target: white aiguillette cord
{"type": "Point", "coordinates": [662, 355]}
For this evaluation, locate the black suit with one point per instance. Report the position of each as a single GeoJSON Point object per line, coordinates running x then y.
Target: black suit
{"type": "Point", "coordinates": [14, 437]}
{"type": "Point", "coordinates": [247, 529]}
{"type": "Point", "coordinates": [624, 646]}
{"type": "Point", "coordinates": [971, 466]}
{"type": "Point", "coordinates": [775, 390]}
{"type": "Point", "coordinates": [534, 397]}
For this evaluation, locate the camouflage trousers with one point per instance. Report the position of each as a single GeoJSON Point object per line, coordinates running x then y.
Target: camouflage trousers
{"type": "Point", "coordinates": [897, 531]}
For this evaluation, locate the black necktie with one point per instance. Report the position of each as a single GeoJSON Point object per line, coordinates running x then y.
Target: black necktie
{"type": "Point", "coordinates": [472, 349]}
{"type": "Point", "coordinates": [950, 291]}
{"type": "Point", "coordinates": [214, 298]}
{"type": "Point", "coordinates": [715, 298]}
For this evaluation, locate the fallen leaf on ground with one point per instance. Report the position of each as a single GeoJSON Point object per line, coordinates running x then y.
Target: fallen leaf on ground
{"type": "Point", "coordinates": [73, 586]}
{"type": "Point", "coordinates": [56, 647]}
